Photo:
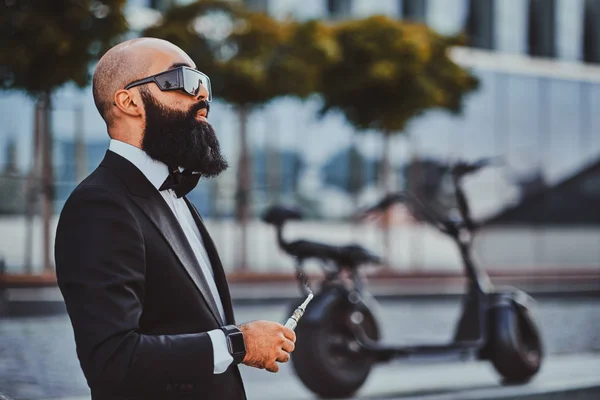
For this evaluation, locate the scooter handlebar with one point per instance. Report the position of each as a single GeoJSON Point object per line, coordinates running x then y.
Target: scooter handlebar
{"type": "Point", "coordinates": [462, 168]}
{"type": "Point", "coordinates": [458, 171]}
{"type": "Point", "coordinates": [429, 214]}
{"type": "Point", "coordinates": [385, 203]}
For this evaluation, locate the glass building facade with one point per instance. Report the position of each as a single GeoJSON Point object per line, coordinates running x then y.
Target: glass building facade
{"type": "Point", "coordinates": [540, 114]}
{"type": "Point", "coordinates": [564, 29]}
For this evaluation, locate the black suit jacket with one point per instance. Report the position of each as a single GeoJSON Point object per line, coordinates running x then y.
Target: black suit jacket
{"type": "Point", "coordinates": [137, 299]}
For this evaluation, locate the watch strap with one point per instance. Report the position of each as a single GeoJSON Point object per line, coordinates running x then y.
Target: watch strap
{"type": "Point", "coordinates": [237, 348]}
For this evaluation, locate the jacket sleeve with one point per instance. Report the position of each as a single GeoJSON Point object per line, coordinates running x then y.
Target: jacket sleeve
{"type": "Point", "coordinates": [100, 265]}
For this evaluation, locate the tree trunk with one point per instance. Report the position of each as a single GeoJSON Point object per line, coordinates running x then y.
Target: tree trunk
{"type": "Point", "coordinates": [356, 171]}
{"type": "Point", "coordinates": [32, 186]}
{"type": "Point", "coordinates": [355, 181]}
{"type": "Point", "coordinates": [80, 151]}
{"type": "Point", "coordinates": [273, 165]}
{"type": "Point", "coordinates": [385, 168]}
{"type": "Point", "coordinates": [413, 185]}
{"type": "Point", "coordinates": [386, 188]}
{"type": "Point", "coordinates": [47, 181]}
{"type": "Point", "coordinates": [243, 192]}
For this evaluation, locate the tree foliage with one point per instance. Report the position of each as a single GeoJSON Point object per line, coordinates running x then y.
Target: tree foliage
{"type": "Point", "coordinates": [308, 48]}
{"type": "Point", "coordinates": [250, 57]}
{"type": "Point", "coordinates": [391, 71]}
{"type": "Point", "coordinates": [45, 44]}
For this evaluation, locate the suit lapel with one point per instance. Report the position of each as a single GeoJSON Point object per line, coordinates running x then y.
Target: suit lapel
{"type": "Point", "coordinates": [154, 206]}
{"type": "Point", "coordinates": [215, 261]}
{"type": "Point", "coordinates": [161, 215]}
{"type": "Point", "coordinates": [219, 271]}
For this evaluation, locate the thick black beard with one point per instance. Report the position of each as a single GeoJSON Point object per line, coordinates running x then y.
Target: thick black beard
{"type": "Point", "coordinates": [179, 140]}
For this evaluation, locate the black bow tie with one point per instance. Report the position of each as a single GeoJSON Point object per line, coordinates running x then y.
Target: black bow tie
{"type": "Point", "coordinates": [181, 182]}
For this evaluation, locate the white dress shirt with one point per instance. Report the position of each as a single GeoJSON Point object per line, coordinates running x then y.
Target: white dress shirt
{"type": "Point", "coordinates": [156, 172]}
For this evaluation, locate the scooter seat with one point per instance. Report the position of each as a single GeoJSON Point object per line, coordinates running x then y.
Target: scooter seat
{"type": "Point", "coordinates": [351, 255]}
{"type": "Point", "coordinates": [278, 215]}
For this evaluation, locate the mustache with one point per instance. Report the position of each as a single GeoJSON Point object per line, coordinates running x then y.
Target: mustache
{"type": "Point", "coordinates": [202, 104]}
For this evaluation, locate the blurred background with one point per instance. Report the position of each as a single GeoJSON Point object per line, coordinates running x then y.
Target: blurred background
{"type": "Point", "coordinates": [326, 105]}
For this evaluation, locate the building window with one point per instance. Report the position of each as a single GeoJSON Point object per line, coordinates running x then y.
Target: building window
{"type": "Point", "coordinates": [258, 5]}
{"type": "Point", "coordinates": [160, 5]}
{"type": "Point", "coordinates": [542, 28]}
{"type": "Point", "coordinates": [591, 31]}
{"type": "Point", "coordinates": [339, 8]}
{"type": "Point", "coordinates": [413, 10]}
{"type": "Point", "coordinates": [480, 24]}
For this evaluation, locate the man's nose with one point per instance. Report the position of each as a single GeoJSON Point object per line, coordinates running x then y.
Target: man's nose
{"type": "Point", "coordinates": [202, 93]}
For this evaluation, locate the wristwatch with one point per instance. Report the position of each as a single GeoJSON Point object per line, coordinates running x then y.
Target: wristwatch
{"type": "Point", "coordinates": [235, 342]}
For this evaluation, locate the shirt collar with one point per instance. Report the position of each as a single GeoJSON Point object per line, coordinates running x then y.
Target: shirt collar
{"type": "Point", "coordinates": [155, 171]}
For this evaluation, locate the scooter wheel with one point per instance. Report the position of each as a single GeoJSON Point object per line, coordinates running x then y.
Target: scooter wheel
{"type": "Point", "coordinates": [327, 359]}
{"type": "Point", "coordinates": [516, 347]}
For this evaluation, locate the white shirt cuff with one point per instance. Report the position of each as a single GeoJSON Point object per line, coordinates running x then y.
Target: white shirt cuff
{"type": "Point", "coordinates": [221, 354]}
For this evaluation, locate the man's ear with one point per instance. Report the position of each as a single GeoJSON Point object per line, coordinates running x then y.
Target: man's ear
{"type": "Point", "coordinates": [125, 101]}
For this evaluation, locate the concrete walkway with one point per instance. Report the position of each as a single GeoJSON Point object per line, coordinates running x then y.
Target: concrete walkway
{"type": "Point", "coordinates": [38, 359]}
{"type": "Point", "coordinates": [562, 377]}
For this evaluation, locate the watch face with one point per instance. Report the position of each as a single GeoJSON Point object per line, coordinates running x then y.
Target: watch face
{"type": "Point", "coordinates": [237, 342]}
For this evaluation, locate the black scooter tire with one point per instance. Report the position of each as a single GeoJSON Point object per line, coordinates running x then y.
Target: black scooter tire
{"type": "Point", "coordinates": [516, 350]}
{"type": "Point", "coordinates": [317, 369]}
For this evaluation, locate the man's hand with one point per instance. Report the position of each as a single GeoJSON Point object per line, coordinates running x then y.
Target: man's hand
{"type": "Point", "coordinates": [266, 343]}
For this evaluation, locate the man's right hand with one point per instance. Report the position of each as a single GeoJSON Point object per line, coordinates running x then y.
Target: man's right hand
{"type": "Point", "coordinates": [266, 343]}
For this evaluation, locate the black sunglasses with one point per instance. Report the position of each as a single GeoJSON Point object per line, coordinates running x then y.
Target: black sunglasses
{"type": "Point", "coordinates": [180, 78]}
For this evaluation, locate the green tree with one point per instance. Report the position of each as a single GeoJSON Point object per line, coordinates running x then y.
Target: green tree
{"type": "Point", "coordinates": [251, 59]}
{"type": "Point", "coordinates": [389, 72]}
{"type": "Point", "coordinates": [44, 45]}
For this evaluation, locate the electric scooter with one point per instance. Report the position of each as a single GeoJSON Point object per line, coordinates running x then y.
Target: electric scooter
{"type": "Point", "coordinates": [338, 337]}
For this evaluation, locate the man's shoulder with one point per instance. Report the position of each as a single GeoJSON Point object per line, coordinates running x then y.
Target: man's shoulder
{"type": "Point", "coordinates": [102, 183]}
{"type": "Point", "coordinates": [102, 177]}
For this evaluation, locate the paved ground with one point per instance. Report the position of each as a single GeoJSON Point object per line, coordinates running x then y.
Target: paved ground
{"type": "Point", "coordinates": [37, 359]}
{"type": "Point", "coordinates": [451, 381]}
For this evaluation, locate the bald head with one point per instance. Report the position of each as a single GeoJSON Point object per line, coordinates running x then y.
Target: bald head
{"type": "Point", "coordinates": [126, 62]}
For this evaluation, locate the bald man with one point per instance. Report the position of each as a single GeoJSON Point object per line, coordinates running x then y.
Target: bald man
{"type": "Point", "coordinates": [142, 281]}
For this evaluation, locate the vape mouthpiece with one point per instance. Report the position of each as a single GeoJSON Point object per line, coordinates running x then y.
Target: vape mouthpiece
{"type": "Point", "coordinates": [292, 321]}
{"type": "Point", "coordinates": [308, 299]}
